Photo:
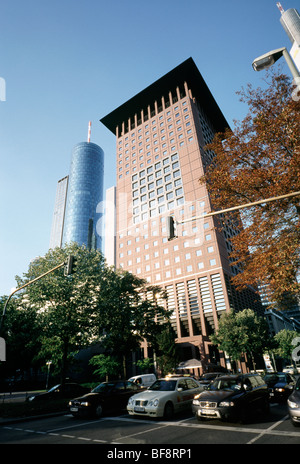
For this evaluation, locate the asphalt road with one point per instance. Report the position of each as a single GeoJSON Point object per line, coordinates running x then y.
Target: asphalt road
{"type": "Point", "coordinates": [184, 433]}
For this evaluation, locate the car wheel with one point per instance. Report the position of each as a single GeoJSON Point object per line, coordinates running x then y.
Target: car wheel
{"type": "Point", "coordinates": [98, 410]}
{"type": "Point", "coordinates": [169, 411]}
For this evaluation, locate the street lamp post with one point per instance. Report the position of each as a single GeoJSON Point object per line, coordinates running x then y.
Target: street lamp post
{"type": "Point", "coordinates": [268, 59]}
{"type": "Point", "coordinates": [48, 363]}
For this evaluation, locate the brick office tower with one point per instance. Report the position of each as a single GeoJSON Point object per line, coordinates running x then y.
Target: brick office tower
{"type": "Point", "coordinates": [160, 136]}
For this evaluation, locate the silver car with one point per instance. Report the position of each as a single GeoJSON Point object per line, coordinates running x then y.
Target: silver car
{"type": "Point", "coordinates": [293, 403]}
{"type": "Point", "coordinates": [164, 397]}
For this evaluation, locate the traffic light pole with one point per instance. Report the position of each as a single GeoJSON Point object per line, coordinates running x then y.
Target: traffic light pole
{"type": "Point", "coordinates": [171, 222]}
{"type": "Point", "coordinates": [25, 285]}
{"type": "Point", "coordinates": [234, 208]}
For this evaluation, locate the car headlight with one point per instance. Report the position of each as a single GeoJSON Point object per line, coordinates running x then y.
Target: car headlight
{"type": "Point", "coordinates": [130, 401]}
{"type": "Point", "coordinates": [292, 404]}
{"type": "Point", "coordinates": [280, 389]}
{"type": "Point", "coordinates": [85, 403]}
{"type": "Point", "coordinates": [196, 401]}
{"type": "Point", "coordinates": [226, 403]}
{"type": "Point", "coordinates": [153, 403]}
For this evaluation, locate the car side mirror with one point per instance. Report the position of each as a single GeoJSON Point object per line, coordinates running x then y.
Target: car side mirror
{"type": "Point", "coordinates": [179, 389]}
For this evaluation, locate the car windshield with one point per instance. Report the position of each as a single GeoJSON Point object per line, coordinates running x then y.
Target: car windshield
{"type": "Point", "coordinates": [53, 388]}
{"type": "Point", "coordinates": [163, 385]}
{"type": "Point", "coordinates": [226, 384]}
{"type": "Point", "coordinates": [275, 378]}
{"type": "Point", "coordinates": [103, 388]}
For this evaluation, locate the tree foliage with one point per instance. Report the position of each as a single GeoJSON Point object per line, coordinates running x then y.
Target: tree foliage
{"type": "Point", "coordinates": [285, 346]}
{"type": "Point", "coordinates": [260, 159]}
{"type": "Point", "coordinates": [65, 305]}
{"type": "Point", "coordinates": [105, 366]}
{"type": "Point", "coordinates": [94, 304]}
{"type": "Point", "coordinates": [128, 313]}
{"type": "Point", "coordinates": [167, 350]}
{"type": "Point", "coordinates": [240, 333]}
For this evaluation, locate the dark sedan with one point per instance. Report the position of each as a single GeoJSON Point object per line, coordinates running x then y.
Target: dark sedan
{"type": "Point", "coordinates": [68, 391]}
{"type": "Point", "coordinates": [232, 397]}
{"type": "Point", "coordinates": [206, 379]}
{"type": "Point", "coordinates": [108, 396]}
{"type": "Point", "coordinates": [280, 384]}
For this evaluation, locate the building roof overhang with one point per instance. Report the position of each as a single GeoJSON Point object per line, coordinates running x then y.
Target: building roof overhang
{"type": "Point", "coordinates": [185, 72]}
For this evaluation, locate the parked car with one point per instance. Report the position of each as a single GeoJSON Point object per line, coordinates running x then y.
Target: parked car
{"type": "Point", "coordinates": [281, 385]}
{"type": "Point", "coordinates": [206, 379]}
{"type": "Point", "coordinates": [144, 380]}
{"type": "Point", "coordinates": [164, 397]}
{"type": "Point", "coordinates": [69, 390]}
{"type": "Point", "coordinates": [293, 403]}
{"type": "Point", "coordinates": [232, 397]}
{"type": "Point", "coordinates": [290, 370]}
{"type": "Point", "coordinates": [108, 396]}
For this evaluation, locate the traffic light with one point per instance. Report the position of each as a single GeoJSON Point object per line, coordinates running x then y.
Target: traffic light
{"type": "Point", "coordinates": [170, 227]}
{"type": "Point", "coordinates": [70, 265]}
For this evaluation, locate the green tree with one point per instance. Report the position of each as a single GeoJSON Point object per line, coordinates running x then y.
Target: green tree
{"type": "Point", "coordinates": [105, 366]}
{"type": "Point", "coordinates": [20, 331]}
{"type": "Point", "coordinates": [66, 305]}
{"type": "Point", "coordinates": [94, 304]}
{"type": "Point", "coordinates": [128, 314]}
{"type": "Point", "coordinates": [145, 364]}
{"type": "Point", "coordinates": [167, 350]}
{"type": "Point", "coordinates": [284, 341]}
{"type": "Point", "coordinates": [240, 333]}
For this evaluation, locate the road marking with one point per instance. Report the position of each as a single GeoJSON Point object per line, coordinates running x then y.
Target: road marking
{"type": "Point", "coordinates": [264, 432]}
{"type": "Point", "coordinates": [138, 433]}
{"type": "Point", "coordinates": [163, 424]}
{"type": "Point", "coordinates": [81, 424]}
{"type": "Point", "coordinates": [259, 432]}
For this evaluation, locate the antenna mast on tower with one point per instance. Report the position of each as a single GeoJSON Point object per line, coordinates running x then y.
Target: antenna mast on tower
{"type": "Point", "coordinates": [280, 7]}
{"type": "Point", "coordinates": [89, 132]}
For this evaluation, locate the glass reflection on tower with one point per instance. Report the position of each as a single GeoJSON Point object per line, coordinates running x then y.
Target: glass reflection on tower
{"type": "Point", "coordinates": [85, 196]}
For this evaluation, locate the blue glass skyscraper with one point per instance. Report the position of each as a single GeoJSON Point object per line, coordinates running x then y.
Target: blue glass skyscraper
{"type": "Point", "coordinates": [85, 196]}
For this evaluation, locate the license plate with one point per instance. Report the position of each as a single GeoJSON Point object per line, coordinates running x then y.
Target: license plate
{"type": "Point", "coordinates": [139, 409]}
{"type": "Point", "coordinates": [207, 412]}
{"type": "Point", "coordinates": [73, 409]}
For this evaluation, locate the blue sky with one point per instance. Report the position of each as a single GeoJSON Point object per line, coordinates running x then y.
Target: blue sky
{"type": "Point", "coordinates": [70, 61]}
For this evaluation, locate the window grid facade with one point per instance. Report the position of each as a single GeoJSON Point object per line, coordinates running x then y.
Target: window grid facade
{"type": "Point", "coordinates": [160, 159]}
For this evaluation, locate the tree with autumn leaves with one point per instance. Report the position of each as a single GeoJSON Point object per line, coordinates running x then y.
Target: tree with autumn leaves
{"type": "Point", "coordinates": [260, 159]}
